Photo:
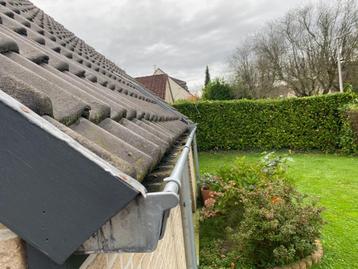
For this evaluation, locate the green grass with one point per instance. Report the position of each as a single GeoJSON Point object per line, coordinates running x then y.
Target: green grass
{"type": "Point", "coordinates": [332, 178]}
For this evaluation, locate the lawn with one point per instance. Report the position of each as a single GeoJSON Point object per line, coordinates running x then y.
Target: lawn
{"type": "Point", "coordinates": [332, 178]}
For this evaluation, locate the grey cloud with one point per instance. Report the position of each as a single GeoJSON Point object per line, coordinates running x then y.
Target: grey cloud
{"type": "Point", "coordinates": [181, 37]}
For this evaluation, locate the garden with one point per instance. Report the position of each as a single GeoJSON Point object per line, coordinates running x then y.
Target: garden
{"type": "Point", "coordinates": [278, 182]}
{"type": "Point", "coordinates": [330, 178]}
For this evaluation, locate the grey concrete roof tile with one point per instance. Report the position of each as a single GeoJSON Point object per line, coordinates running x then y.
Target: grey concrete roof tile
{"type": "Point", "coordinates": [117, 109]}
{"type": "Point", "coordinates": [8, 45]}
{"type": "Point", "coordinates": [66, 107]}
{"type": "Point", "coordinates": [116, 161]}
{"type": "Point", "coordinates": [164, 145]}
{"type": "Point", "coordinates": [176, 125]}
{"type": "Point", "coordinates": [169, 133]}
{"type": "Point", "coordinates": [155, 131]}
{"type": "Point", "coordinates": [138, 159]}
{"type": "Point", "coordinates": [27, 95]}
{"type": "Point", "coordinates": [55, 73]}
{"type": "Point", "coordinates": [133, 139]}
{"type": "Point", "coordinates": [99, 110]}
{"type": "Point", "coordinates": [58, 64]}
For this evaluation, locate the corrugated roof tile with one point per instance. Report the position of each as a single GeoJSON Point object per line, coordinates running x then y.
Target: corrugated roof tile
{"type": "Point", "coordinates": [57, 75]}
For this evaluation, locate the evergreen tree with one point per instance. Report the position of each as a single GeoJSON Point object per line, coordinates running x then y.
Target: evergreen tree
{"type": "Point", "coordinates": [218, 89]}
{"type": "Point", "coordinates": [207, 76]}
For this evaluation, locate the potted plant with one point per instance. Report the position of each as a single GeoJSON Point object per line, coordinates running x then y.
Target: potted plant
{"type": "Point", "coordinates": [209, 186]}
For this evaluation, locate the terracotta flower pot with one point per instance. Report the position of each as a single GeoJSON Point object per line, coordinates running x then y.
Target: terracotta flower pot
{"type": "Point", "coordinates": [207, 194]}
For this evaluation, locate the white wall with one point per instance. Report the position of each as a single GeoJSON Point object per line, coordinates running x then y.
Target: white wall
{"type": "Point", "coordinates": [177, 91]}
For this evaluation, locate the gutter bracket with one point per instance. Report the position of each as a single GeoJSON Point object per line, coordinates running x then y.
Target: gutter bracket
{"type": "Point", "coordinates": [136, 228]}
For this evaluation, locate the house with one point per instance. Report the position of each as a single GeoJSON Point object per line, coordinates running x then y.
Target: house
{"type": "Point", "coordinates": [95, 171]}
{"type": "Point", "coordinates": [166, 87]}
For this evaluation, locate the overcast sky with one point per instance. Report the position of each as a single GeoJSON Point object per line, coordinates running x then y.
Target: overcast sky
{"type": "Point", "coordinates": [179, 36]}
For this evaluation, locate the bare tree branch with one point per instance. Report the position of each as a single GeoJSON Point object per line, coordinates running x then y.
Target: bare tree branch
{"type": "Point", "coordinates": [300, 50]}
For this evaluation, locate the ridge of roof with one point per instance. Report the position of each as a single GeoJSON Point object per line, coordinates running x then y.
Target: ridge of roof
{"type": "Point", "coordinates": [154, 75]}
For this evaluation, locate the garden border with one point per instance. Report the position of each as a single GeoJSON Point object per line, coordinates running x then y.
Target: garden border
{"type": "Point", "coordinates": [308, 261]}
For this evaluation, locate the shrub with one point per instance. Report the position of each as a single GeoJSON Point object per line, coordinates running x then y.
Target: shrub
{"type": "Point", "coordinates": [215, 256]}
{"type": "Point", "coordinates": [242, 174]}
{"type": "Point", "coordinates": [248, 174]}
{"type": "Point", "coordinates": [279, 226]}
{"type": "Point", "coordinates": [309, 123]}
{"type": "Point", "coordinates": [275, 166]}
{"type": "Point", "coordinates": [268, 223]}
{"type": "Point", "coordinates": [218, 90]}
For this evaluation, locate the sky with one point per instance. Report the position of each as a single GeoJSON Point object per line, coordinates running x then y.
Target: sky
{"type": "Point", "coordinates": [179, 36]}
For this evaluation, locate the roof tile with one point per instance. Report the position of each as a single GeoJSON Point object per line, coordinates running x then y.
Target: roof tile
{"type": "Point", "coordinates": [82, 93]}
{"type": "Point", "coordinates": [155, 83]}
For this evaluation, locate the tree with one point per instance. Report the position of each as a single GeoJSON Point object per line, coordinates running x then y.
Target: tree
{"type": "Point", "coordinates": [218, 90]}
{"type": "Point", "coordinates": [300, 50]}
{"type": "Point", "coordinates": [252, 78]}
{"type": "Point", "coordinates": [207, 76]}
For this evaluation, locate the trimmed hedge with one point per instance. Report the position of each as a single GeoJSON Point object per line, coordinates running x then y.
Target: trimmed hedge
{"type": "Point", "coordinates": [349, 133]}
{"type": "Point", "coordinates": [308, 123]}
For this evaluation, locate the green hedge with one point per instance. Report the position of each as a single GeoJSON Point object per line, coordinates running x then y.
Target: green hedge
{"type": "Point", "coordinates": [349, 133]}
{"type": "Point", "coordinates": [309, 123]}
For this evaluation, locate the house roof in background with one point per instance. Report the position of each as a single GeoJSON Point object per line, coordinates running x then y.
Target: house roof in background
{"type": "Point", "coordinates": [182, 83]}
{"type": "Point", "coordinates": [155, 83]}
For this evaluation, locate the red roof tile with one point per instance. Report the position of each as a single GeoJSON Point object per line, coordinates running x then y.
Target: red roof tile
{"type": "Point", "coordinates": [155, 83]}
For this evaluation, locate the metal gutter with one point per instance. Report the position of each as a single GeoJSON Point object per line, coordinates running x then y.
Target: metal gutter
{"type": "Point", "coordinates": [140, 226]}
{"type": "Point", "coordinates": [174, 180]}
{"type": "Point", "coordinates": [179, 182]}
